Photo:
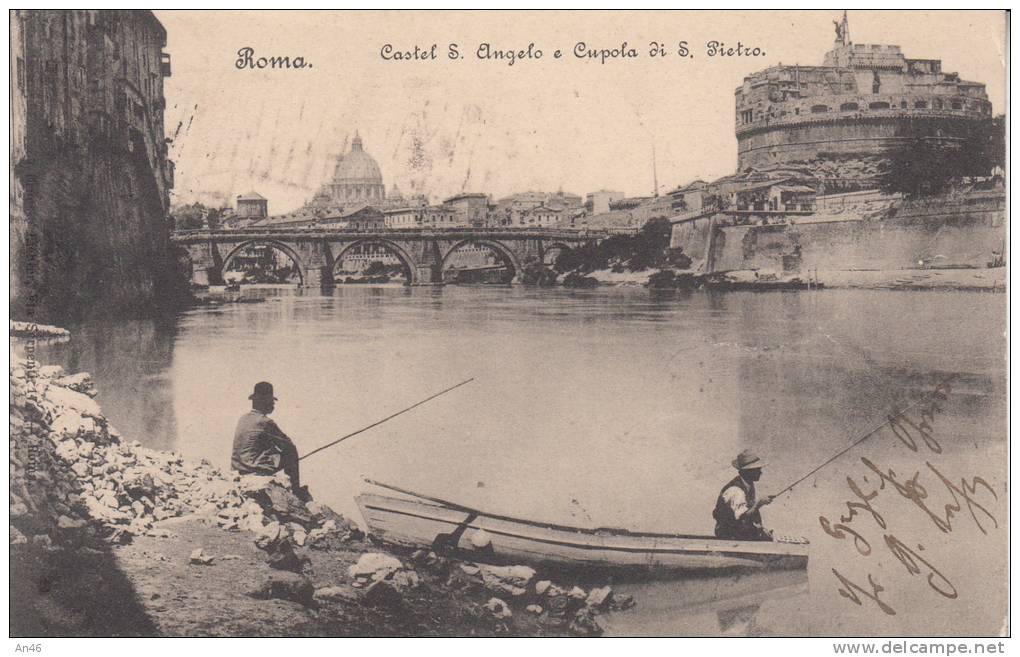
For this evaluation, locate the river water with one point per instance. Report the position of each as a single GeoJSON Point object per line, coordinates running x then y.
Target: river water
{"type": "Point", "coordinates": [619, 407]}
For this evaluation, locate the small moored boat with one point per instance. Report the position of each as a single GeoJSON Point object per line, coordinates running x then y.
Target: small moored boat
{"type": "Point", "coordinates": [445, 526]}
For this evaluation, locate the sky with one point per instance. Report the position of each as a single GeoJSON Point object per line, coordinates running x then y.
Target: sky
{"type": "Point", "coordinates": [447, 126]}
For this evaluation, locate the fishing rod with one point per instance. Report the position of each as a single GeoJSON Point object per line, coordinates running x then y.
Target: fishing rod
{"type": "Point", "coordinates": [851, 446]}
{"type": "Point", "coordinates": [385, 419]}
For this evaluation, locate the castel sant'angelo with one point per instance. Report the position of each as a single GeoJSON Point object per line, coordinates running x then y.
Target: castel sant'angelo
{"type": "Point", "coordinates": [855, 106]}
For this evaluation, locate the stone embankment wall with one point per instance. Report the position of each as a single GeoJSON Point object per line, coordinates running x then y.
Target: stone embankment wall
{"type": "Point", "coordinates": [933, 233]}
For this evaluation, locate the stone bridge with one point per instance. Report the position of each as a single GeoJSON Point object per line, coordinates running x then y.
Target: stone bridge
{"type": "Point", "coordinates": [424, 251]}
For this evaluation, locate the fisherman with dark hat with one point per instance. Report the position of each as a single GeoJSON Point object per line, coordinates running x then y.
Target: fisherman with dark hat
{"type": "Point", "coordinates": [737, 510]}
{"type": "Point", "coordinates": [259, 445]}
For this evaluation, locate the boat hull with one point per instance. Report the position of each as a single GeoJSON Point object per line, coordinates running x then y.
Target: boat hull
{"type": "Point", "coordinates": [414, 523]}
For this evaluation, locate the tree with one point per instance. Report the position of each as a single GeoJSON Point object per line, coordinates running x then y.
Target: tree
{"type": "Point", "coordinates": [194, 216]}
{"type": "Point", "coordinates": [927, 163]}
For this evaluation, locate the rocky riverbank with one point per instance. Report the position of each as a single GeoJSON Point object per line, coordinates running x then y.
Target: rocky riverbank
{"type": "Point", "coordinates": [111, 538]}
{"type": "Point", "coordinates": [989, 280]}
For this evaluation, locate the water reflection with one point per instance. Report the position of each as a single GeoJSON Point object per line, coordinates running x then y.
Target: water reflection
{"type": "Point", "coordinates": [130, 362]}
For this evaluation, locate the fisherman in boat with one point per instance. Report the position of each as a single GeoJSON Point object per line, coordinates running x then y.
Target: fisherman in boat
{"type": "Point", "coordinates": [737, 509]}
{"type": "Point", "coordinates": [260, 447]}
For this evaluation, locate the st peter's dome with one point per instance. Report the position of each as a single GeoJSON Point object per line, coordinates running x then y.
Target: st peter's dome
{"type": "Point", "coordinates": [357, 166]}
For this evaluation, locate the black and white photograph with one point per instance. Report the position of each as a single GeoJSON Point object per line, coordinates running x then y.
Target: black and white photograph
{"type": "Point", "coordinates": [515, 323]}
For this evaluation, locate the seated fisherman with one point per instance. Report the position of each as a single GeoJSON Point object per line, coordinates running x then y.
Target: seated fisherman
{"type": "Point", "coordinates": [260, 447]}
{"type": "Point", "coordinates": [737, 510]}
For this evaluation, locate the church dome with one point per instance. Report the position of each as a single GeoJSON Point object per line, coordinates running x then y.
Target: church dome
{"type": "Point", "coordinates": [357, 166]}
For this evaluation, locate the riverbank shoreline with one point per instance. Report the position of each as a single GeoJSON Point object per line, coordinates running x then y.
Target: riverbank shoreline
{"type": "Point", "coordinates": [110, 538]}
{"type": "Point", "coordinates": [980, 280]}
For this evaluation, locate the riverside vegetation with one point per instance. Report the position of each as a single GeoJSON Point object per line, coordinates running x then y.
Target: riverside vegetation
{"type": "Point", "coordinates": [111, 538]}
{"type": "Point", "coordinates": [647, 252]}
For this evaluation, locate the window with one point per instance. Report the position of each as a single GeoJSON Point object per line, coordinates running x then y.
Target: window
{"type": "Point", "coordinates": [848, 107]}
{"type": "Point", "coordinates": [957, 104]}
{"type": "Point", "coordinates": [879, 105]}
{"type": "Point", "coordinates": [903, 104]}
{"type": "Point", "coordinates": [747, 116]}
{"type": "Point", "coordinates": [819, 109]}
{"type": "Point", "coordinates": [920, 104]}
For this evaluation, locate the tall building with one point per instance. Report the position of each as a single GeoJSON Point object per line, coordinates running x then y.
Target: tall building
{"type": "Point", "coordinates": [18, 127]}
{"type": "Point", "coordinates": [93, 164]}
{"type": "Point", "coordinates": [859, 103]}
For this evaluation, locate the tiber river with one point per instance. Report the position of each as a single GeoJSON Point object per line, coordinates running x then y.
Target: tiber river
{"type": "Point", "coordinates": [621, 407]}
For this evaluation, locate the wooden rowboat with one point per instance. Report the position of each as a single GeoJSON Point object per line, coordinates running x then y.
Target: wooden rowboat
{"type": "Point", "coordinates": [474, 534]}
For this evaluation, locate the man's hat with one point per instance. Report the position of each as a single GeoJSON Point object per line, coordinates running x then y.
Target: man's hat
{"type": "Point", "coordinates": [263, 389]}
{"type": "Point", "coordinates": [747, 460]}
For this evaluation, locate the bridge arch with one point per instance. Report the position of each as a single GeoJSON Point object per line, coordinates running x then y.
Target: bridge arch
{"type": "Point", "coordinates": [280, 246]}
{"type": "Point", "coordinates": [401, 254]}
{"type": "Point", "coordinates": [557, 248]}
{"type": "Point", "coordinates": [503, 250]}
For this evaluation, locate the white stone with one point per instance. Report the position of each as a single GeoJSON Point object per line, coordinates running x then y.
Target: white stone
{"type": "Point", "coordinates": [51, 371]}
{"type": "Point", "coordinates": [65, 400]}
{"type": "Point", "coordinates": [499, 609]}
{"type": "Point", "coordinates": [67, 425]}
{"type": "Point", "coordinates": [67, 450]}
{"type": "Point", "coordinates": [510, 580]}
{"type": "Point", "coordinates": [577, 593]}
{"type": "Point", "coordinates": [371, 563]}
{"type": "Point", "coordinates": [598, 597]}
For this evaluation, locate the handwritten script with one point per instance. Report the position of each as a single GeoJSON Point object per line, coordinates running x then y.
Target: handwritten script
{"type": "Point", "coordinates": [948, 497]}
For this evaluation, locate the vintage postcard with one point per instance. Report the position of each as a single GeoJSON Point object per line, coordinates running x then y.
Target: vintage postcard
{"type": "Point", "coordinates": [510, 324]}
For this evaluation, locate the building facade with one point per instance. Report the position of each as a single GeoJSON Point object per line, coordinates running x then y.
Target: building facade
{"type": "Point", "coordinates": [252, 206]}
{"type": "Point", "coordinates": [598, 202]}
{"type": "Point", "coordinates": [433, 216]}
{"type": "Point", "coordinates": [94, 164]}
{"type": "Point", "coordinates": [469, 209]}
{"type": "Point", "coordinates": [17, 133]}
{"type": "Point", "coordinates": [859, 103]}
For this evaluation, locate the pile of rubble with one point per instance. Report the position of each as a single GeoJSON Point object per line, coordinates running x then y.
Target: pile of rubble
{"type": "Point", "coordinates": [519, 587]}
{"type": "Point", "coordinates": [72, 475]}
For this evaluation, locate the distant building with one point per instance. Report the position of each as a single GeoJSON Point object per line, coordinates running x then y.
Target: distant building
{"type": "Point", "coordinates": [689, 198]}
{"type": "Point", "coordinates": [469, 209]}
{"type": "Point", "coordinates": [859, 103]}
{"type": "Point", "coordinates": [598, 202]}
{"type": "Point", "coordinates": [363, 218]}
{"type": "Point", "coordinates": [436, 216]}
{"type": "Point", "coordinates": [513, 210]}
{"type": "Point", "coordinates": [543, 216]}
{"type": "Point", "coordinates": [252, 205]}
